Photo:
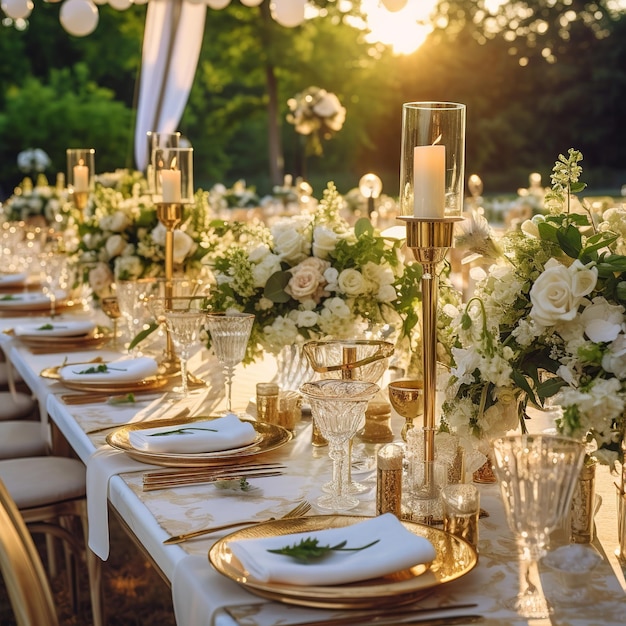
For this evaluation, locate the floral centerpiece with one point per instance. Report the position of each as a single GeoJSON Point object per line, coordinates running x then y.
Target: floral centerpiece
{"type": "Point", "coordinates": [314, 276]}
{"type": "Point", "coordinates": [546, 321]}
{"type": "Point", "coordinates": [317, 114]}
{"type": "Point", "coordinates": [39, 203]}
{"type": "Point", "coordinates": [121, 237]}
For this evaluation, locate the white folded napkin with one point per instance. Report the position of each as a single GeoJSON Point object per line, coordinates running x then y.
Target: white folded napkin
{"type": "Point", "coordinates": [121, 371]}
{"type": "Point", "coordinates": [223, 433]}
{"type": "Point", "coordinates": [397, 549]}
{"type": "Point", "coordinates": [7, 280]}
{"type": "Point", "coordinates": [69, 328]}
{"type": "Point", "coordinates": [29, 299]}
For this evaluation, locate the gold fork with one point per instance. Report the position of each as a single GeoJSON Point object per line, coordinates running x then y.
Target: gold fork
{"type": "Point", "coordinates": [299, 511]}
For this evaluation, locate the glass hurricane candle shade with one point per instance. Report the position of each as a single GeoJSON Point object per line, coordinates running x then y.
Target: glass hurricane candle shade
{"type": "Point", "coordinates": [80, 169]}
{"type": "Point", "coordinates": [172, 179]}
{"type": "Point", "coordinates": [432, 161]}
{"type": "Point", "coordinates": [157, 141]}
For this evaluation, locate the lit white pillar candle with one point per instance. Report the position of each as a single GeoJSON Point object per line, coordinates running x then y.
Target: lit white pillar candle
{"type": "Point", "coordinates": [81, 178]}
{"type": "Point", "coordinates": [429, 181]}
{"type": "Point", "coordinates": [170, 184]}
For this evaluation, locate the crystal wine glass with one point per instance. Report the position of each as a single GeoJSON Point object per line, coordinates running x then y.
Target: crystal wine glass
{"type": "Point", "coordinates": [54, 266]}
{"type": "Point", "coordinates": [230, 333]}
{"type": "Point", "coordinates": [537, 475]}
{"type": "Point", "coordinates": [338, 408]}
{"type": "Point", "coordinates": [185, 326]}
{"type": "Point", "coordinates": [131, 298]}
{"type": "Point", "coordinates": [111, 308]}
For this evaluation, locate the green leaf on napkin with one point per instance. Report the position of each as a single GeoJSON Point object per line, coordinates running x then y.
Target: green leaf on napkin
{"type": "Point", "coordinates": [186, 430]}
{"type": "Point", "coordinates": [8, 297]}
{"type": "Point", "coordinates": [309, 549]}
{"type": "Point", "coordinates": [103, 368]}
{"type": "Point", "coordinates": [129, 398]}
{"type": "Point", "coordinates": [46, 327]}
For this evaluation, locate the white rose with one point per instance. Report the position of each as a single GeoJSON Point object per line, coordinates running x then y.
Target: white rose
{"type": "Point", "coordinates": [100, 279]}
{"type": "Point", "coordinates": [351, 282]}
{"type": "Point", "coordinates": [119, 221]}
{"type": "Point", "coordinates": [261, 271]}
{"type": "Point", "coordinates": [324, 241]}
{"type": "Point", "coordinates": [602, 321]}
{"type": "Point", "coordinates": [306, 319]}
{"type": "Point", "coordinates": [290, 240]}
{"type": "Point", "coordinates": [558, 291]}
{"type": "Point", "coordinates": [158, 234]}
{"type": "Point", "coordinates": [327, 105]}
{"type": "Point", "coordinates": [387, 293]}
{"type": "Point", "coordinates": [257, 254]}
{"type": "Point", "coordinates": [115, 245]}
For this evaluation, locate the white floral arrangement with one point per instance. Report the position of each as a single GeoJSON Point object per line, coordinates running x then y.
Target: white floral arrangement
{"type": "Point", "coordinates": [547, 323]}
{"type": "Point", "coordinates": [314, 276]}
{"type": "Point", "coordinates": [40, 202]}
{"type": "Point", "coordinates": [33, 161]}
{"type": "Point", "coordinates": [318, 114]}
{"type": "Point", "coordinates": [121, 237]}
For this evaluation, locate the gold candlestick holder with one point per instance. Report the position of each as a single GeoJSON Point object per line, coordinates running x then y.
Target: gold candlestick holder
{"type": "Point", "coordinates": [80, 202]}
{"type": "Point", "coordinates": [429, 240]}
{"type": "Point", "coordinates": [170, 214]}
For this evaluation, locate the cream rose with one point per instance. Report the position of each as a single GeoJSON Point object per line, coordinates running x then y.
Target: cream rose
{"type": "Point", "coordinates": [307, 280]}
{"type": "Point", "coordinates": [351, 282]}
{"type": "Point", "coordinates": [268, 265]}
{"type": "Point", "coordinates": [602, 321]}
{"type": "Point", "coordinates": [115, 246]}
{"type": "Point", "coordinates": [324, 241]}
{"type": "Point", "coordinates": [183, 245]}
{"type": "Point", "coordinates": [289, 240]}
{"type": "Point", "coordinates": [559, 290]}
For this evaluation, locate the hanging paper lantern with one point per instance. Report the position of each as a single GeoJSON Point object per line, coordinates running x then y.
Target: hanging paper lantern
{"type": "Point", "coordinates": [288, 13]}
{"type": "Point", "coordinates": [394, 5]}
{"type": "Point", "coordinates": [251, 3]}
{"type": "Point", "coordinates": [120, 5]}
{"type": "Point", "coordinates": [79, 17]}
{"type": "Point", "coordinates": [218, 4]}
{"type": "Point", "coordinates": [17, 9]}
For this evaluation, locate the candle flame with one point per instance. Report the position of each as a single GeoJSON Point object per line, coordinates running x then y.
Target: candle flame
{"type": "Point", "coordinates": [173, 164]}
{"type": "Point", "coordinates": [437, 140]}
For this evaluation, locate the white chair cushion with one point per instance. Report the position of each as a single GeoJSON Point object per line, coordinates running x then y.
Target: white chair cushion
{"type": "Point", "coordinates": [38, 481]}
{"type": "Point", "coordinates": [16, 406]}
{"type": "Point", "coordinates": [22, 438]}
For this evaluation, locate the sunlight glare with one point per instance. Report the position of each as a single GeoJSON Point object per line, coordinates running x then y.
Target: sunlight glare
{"type": "Point", "coordinates": [404, 30]}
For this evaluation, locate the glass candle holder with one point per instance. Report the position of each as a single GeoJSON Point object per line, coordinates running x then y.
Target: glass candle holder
{"type": "Point", "coordinates": [173, 175]}
{"type": "Point", "coordinates": [432, 161]}
{"type": "Point", "coordinates": [157, 141]}
{"type": "Point", "coordinates": [80, 169]}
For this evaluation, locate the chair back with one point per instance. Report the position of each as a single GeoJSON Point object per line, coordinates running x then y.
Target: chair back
{"type": "Point", "coordinates": [22, 569]}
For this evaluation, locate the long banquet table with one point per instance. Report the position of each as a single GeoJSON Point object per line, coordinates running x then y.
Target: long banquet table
{"type": "Point", "coordinates": [200, 593]}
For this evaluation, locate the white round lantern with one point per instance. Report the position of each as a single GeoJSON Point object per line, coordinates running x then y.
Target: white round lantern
{"type": "Point", "coordinates": [79, 17]}
{"type": "Point", "coordinates": [394, 5]}
{"type": "Point", "coordinates": [120, 5]}
{"type": "Point", "coordinates": [17, 9]}
{"type": "Point", "coordinates": [218, 4]}
{"type": "Point", "coordinates": [288, 13]}
{"type": "Point", "coordinates": [251, 3]}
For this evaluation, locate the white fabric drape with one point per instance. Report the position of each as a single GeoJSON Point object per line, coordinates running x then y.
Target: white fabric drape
{"type": "Point", "coordinates": [171, 46]}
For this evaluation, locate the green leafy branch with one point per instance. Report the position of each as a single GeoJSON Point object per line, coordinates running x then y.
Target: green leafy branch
{"type": "Point", "coordinates": [309, 549]}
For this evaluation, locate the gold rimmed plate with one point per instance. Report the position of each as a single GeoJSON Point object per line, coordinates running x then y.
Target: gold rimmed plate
{"type": "Point", "coordinates": [145, 384]}
{"type": "Point", "coordinates": [269, 437]}
{"type": "Point", "coordinates": [454, 558]}
{"type": "Point", "coordinates": [87, 340]}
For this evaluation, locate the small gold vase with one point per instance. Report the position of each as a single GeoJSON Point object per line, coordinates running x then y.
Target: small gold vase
{"type": "Point", "coordinates": [485, 474]}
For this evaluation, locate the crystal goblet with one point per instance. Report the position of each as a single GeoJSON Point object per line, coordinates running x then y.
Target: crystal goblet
{"type": "Point", "coordinates": [185, 326]}
{"type": "Point", "coordinates": [54, 266]}
{"type": "Point", "coordinates": [338, 407]}
{"type": "Point", "coordinates": [131, 297]}
{"type": "Point", "coordinates": [537, 475]}
{"type": "Point", "coordinates": [230, 333]}
{"type": "Point", "coordinates": [407, 398]}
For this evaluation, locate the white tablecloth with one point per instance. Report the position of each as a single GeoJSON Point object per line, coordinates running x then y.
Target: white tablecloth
{"type": "Point", "coordinates": [200, 593]}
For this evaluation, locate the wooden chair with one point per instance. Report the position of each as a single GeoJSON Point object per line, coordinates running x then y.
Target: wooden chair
{"type": "Point", "coordinates": [22, 570]}
{"type": "Point", "coordinates": [50, 494]}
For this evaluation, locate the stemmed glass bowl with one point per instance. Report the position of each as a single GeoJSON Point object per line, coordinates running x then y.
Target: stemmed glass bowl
{"type": "Point", "coordinates": [338, 408]}
{"type": "Point", "coordinates": [230, 333]}
{"type": "Point", "coordinates": [54, 266]}
{"type": "Point", "coordinates": [537, 475]}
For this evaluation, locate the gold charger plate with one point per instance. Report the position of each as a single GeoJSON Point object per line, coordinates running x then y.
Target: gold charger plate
{"type": "Point", "coordinates": [269, 437]}
{"type": "Point", "coordinates": [146, 384]}
{"type": "Point", "coordinates": [454, 558]}
{"type": "Point", "coordinates": [86, 340]}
